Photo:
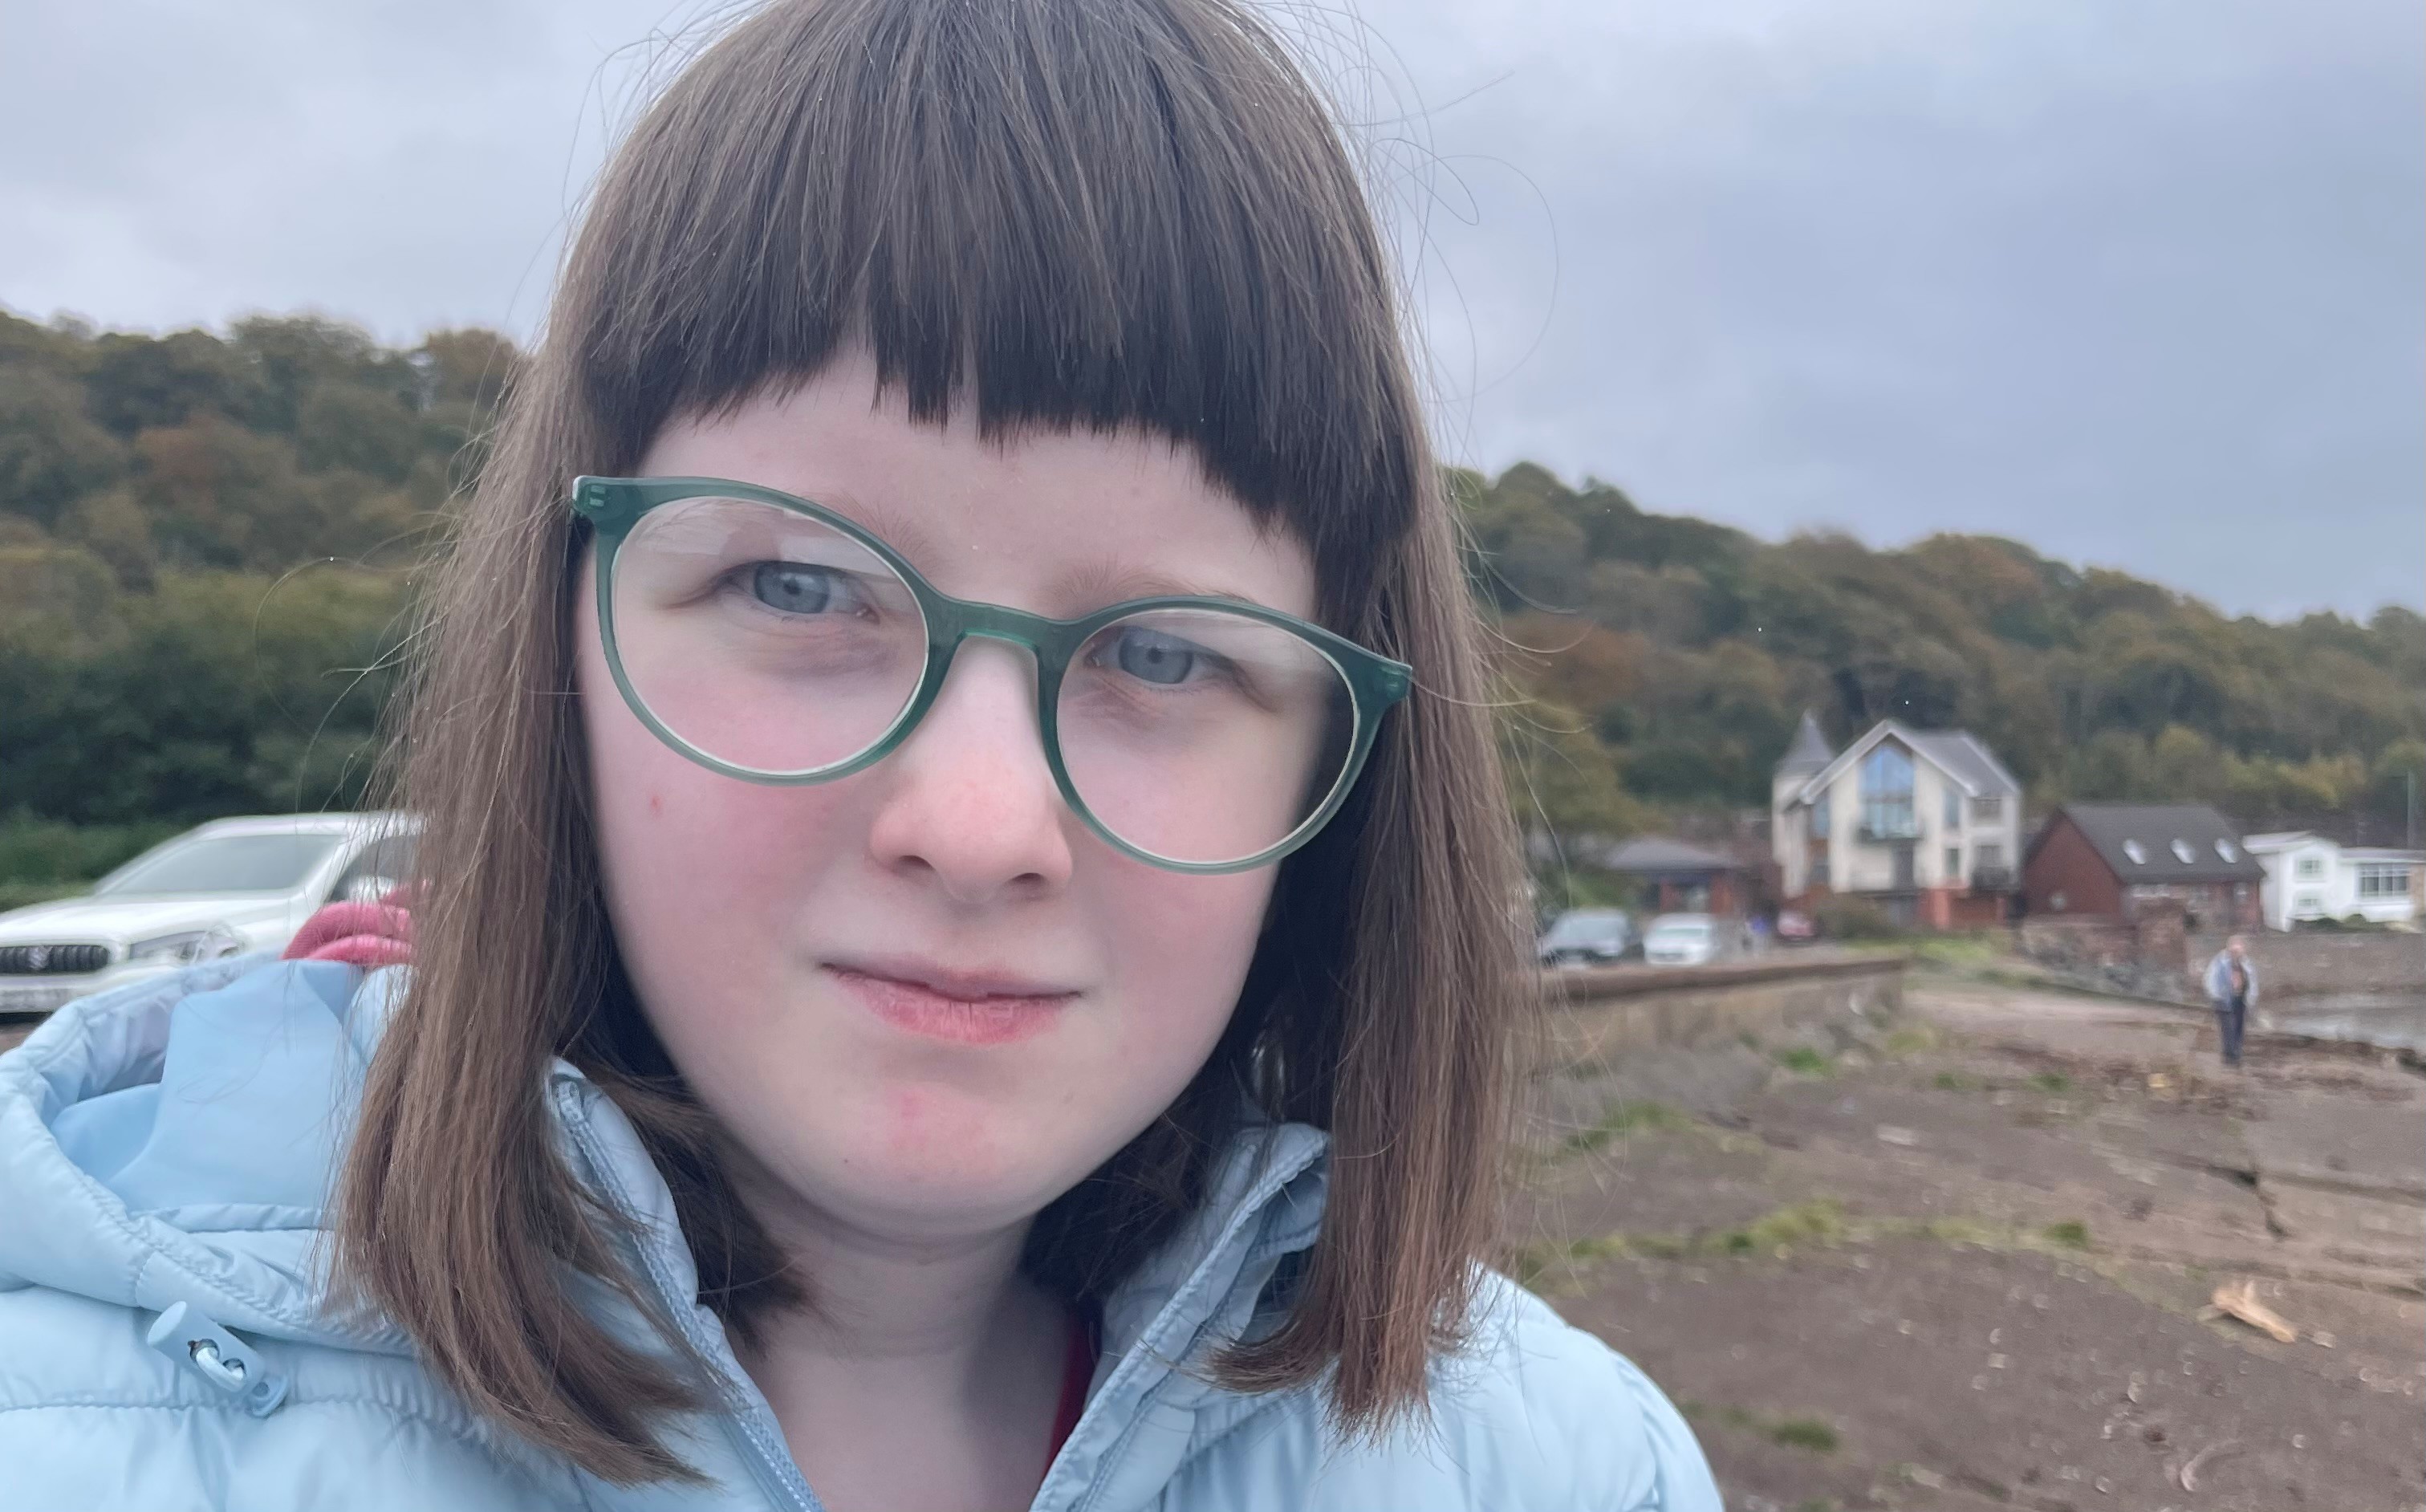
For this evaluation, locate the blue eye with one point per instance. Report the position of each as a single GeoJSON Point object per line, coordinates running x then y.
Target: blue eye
{"type": "Point", "coordinates": [796, 588]}
{"type": "Point", "coordinates": [1152, 657]}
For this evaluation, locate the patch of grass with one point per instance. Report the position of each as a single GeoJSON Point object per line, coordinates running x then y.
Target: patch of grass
{"type": "Point", "coordinates": [1803, 1061]}
{"type": "Point", "coordinates": [1954, 1081]}
{"type": "Point", "coordinates": [1911, 1040]}
{"type": "Point", "coordinates": [1622, 1118]}
{"type": "Point", "coordinates": [26, 894]}
{"type": "Point", "coordinates": [2054, 1083]}
{"type": "Point", "coordinates": [1820, 1222]}
{"type": "Point", "coordinates": [2071, 1233]}
{"type": "Point", "coordinates": [1795, 1433]}
{"type": "Point", "coordinates": [1957, 953]}
{"type": "Point", "coordinates": [1962, 1232]}
{"type": "Point", "coordinates": [1804, 1433]}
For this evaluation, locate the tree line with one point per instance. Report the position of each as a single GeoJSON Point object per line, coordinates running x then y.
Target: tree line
{"type": "Point", "coordinates": [1666, 661]}
{"type": "Point", "coordinates": [207, 542]}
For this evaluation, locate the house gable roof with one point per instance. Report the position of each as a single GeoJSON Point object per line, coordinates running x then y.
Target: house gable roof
{"type": "Point", "coordinates": [2113, 830]}
{"type": "Point", "coordinates": [1958, 753]}
{"type": "Point", "coordinates": [1653, 853]}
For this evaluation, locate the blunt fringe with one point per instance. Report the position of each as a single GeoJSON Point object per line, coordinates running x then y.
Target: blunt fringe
{"type": "Point", "coordinates": [1097, 215]}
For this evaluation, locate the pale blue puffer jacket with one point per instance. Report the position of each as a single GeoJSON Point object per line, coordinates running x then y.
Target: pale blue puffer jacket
{"type": "Point", "coordinates": [171, 1143]}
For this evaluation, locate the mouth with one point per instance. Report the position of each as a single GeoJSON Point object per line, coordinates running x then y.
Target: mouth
{"type": "Point", "coordinates": [968, 1008]}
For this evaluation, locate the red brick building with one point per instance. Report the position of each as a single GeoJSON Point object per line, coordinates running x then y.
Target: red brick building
{"type": "Point", "coordinates": [2106, 860]}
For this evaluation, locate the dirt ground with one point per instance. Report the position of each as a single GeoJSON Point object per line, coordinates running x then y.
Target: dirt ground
{"type": "Point", "coordinates": [1965, 1259]}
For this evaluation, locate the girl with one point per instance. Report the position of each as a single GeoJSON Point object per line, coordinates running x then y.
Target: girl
{"type": "Point", "coordinates": [962, 958]}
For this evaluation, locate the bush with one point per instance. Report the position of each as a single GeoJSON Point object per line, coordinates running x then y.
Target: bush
{"type": "Point", "coordinates": [48, 857]}
{"type": "Point", "coordinates": [1854, 919]}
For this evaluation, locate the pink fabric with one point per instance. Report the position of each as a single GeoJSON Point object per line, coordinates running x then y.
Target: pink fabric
{"type": "Point", "coordinates": [364, 935]}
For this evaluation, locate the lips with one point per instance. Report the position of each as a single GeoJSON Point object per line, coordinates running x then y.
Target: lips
{"type": "Point", "coordinates": [969, 1008]}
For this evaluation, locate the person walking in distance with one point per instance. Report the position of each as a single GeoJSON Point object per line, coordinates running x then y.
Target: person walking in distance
{"type": "Point", "coordinates": [2232, 987]}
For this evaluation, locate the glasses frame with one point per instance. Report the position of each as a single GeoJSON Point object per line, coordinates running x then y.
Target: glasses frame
{"type": "Point", "coordinates": [613, 507]}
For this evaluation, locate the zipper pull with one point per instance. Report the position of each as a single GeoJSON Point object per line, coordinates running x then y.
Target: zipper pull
{"type": "Point", "coordinates": [195, 1342]}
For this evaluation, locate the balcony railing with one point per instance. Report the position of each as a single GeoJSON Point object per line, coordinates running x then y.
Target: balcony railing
{"type": "Point", "coordinates": [1993, 879]}
{"type": "Point", "coordinates": [1888, 831]}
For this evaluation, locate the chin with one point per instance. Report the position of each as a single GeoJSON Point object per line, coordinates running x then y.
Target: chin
{"type": "Point", "coordinates": [923, 1153]}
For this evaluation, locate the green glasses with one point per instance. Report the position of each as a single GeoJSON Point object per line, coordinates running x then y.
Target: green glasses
{"type": "Point", "coordinates": [770, 639]}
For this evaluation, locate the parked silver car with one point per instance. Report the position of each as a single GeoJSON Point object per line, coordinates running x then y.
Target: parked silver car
{"type": "Point", "coordinates": [1689, 940]}
{"type": "Point", "coordinates": [231, 886]}
{"type": "Point", "coordinates": [1587, 936]}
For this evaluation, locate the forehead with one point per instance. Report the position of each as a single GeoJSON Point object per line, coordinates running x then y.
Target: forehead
{"type": "Point", "coordinates": [1039, 514]}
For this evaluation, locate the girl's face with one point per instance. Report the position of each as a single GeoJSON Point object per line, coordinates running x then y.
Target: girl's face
{"type": "Point", "coordinates": [809, 955]}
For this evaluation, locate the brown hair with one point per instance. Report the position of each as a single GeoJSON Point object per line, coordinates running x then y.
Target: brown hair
{"type": "Point", "coordinates": [1068, 213]}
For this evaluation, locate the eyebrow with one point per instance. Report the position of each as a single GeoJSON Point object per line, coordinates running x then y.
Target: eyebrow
{"type": "Point", "coordinates": [1094, 584]}
{"type": "Point", "coordinates": [1085, 587]}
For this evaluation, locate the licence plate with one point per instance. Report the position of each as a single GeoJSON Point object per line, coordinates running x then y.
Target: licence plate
{"type": "Point", "coordinates": [34, 999]}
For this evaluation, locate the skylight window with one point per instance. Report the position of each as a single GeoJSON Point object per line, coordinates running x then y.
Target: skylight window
{"type": "Point", "coordinates": [2138, 853]}
{"type": "Point", "coordinates": [2183, 852]}
{"type": "Point", "coordinates": [2226, 850]}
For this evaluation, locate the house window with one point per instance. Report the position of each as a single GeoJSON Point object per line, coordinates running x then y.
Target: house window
{"type": "Point", "coordinates": [1819, 818]}
{"type": "Point", "coordinates": [2308, 905]}
{"type": "Point", "coordinates": [1991, 857]}
{"type": "Point", "coordinates": [1953, 808]}
{"type": "Point", "coordinates": [1954, 863]}
{"type": "Point", "coordinates": [2384, 880]}
{"type": "Point", "coordinates": [2057, 902]}
{"type": "Point", "coordinates": [2138, 853]}
{"type": "Point", "coordinates": [2183, 852]}
{"type": "Point", "coordinates": [1987, 810]}
{"type": "Point", "coordinates": [1887, 795]}
{"type": "Point", "coordinates": [2312, 866]}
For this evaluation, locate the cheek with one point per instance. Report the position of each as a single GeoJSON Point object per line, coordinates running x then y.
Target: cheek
{"type": "Point", "coordinates": [700, 869]}
{"type": "Point", "coordinates": [1181, 947]}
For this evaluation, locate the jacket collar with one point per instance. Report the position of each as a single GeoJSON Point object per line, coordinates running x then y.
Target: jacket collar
{"type": "Point", "coordinates": [1152, 1405]}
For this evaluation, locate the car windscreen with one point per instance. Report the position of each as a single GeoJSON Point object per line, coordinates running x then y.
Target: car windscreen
{"type": "Point", "coordinates": [1586, 929]}
{"type": "Point", "coordinates": [221, 863]}
{"type": "Point", "coordinates": [1663, 933]}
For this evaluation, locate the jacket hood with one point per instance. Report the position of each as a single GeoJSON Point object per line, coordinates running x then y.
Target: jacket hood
{"type": "Point", "coordinates": [174, 1142]}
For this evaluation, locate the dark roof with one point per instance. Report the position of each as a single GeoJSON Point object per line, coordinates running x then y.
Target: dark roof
{"type": "Point", "coordinates": [2114, 829]}
{"type": "Point", "coordinates": [1810, 752]}
{"type": "Point", "coordinates": [1971, 762]}
{"type": "Point", "coordinates": [1653, 853]}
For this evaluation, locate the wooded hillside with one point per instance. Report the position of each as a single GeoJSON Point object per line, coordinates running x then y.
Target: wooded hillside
{"type": "Point", "coordinates": [205, 541]}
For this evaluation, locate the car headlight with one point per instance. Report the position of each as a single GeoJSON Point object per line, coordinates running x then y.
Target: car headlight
{"type": "Point", "coordinates": [185, 948]}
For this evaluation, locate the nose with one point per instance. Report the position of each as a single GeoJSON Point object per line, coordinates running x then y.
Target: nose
{"type": "Point", "coordinates": [969, 804]}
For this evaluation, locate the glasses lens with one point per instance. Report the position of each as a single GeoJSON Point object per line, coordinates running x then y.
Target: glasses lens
{"type": "Point", "coordinates": [1200, 735]}
{"type": "Point", "coordinates": [764, 638]}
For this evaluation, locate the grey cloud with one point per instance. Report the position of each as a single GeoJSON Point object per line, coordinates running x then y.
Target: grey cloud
{"type": "Point", "coordinates": [2139, 285]}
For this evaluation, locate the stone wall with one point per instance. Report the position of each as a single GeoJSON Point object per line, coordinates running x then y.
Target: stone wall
{"type": "Point", "coordinates": [1602, 1015]}
{"type": "Point", "coordinates": [2143, 956]}
{"type": "Point", "coordinates": [2326, 963]}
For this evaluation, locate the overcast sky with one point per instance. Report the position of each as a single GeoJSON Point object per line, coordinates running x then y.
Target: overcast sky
{"type": "Point", "coordinates": [2142, 283]}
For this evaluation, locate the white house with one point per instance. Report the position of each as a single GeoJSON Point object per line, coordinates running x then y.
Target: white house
{"type": "Point", "coordinates": [1927, 822]}
{"type": "Point", "coordinates": [2308, 876]}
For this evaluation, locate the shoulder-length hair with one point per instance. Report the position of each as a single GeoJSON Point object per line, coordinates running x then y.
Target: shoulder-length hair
{"type": "Point", "coordinates": [1107, 214]}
